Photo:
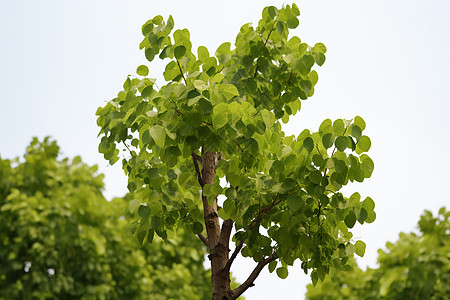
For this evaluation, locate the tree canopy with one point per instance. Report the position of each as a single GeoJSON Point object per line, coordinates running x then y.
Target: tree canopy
{"type": "Point", "coordinates": [206, 150]}
{"type": "Point", "coordinates": [416, 266]}
{"type": "Point", "coordinates": [60, 238]}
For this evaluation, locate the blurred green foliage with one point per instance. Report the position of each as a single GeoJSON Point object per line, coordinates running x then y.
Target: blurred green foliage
{"type": "Point", "coordinates": [417, 266]}
{"type": "Point", "coordinates": [60, 238]}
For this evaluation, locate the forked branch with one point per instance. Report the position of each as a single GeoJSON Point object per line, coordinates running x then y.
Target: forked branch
{"type": "Point", "coordinates": [257, 220]}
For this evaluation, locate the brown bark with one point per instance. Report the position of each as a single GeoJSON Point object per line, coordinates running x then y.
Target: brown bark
{"type": "Point", "coordinates": [218, 240]}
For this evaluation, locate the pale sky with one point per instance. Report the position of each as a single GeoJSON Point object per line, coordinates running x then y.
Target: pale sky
{"type": "Point", "coordinates": [387, 61]}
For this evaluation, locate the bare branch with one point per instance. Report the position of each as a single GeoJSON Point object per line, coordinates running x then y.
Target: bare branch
{"type": "Point", "coordinates": [253, 275]}
{"type": "Point", "coordinates": [204, 239]}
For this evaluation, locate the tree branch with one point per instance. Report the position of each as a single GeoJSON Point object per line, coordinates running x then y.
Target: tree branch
{"type": "Point", "coordinates": [257, 220]}
{"type": "Point", "coordinates": [225, 233]}
{"type": "Point", "coordinates": [197, 169]}
{"type": "Point", "coordinates": [203, 239]}
{"type": "Point", "coordinates": [253, 275]}
{"type": "Point", "coordinates": [233, 256]}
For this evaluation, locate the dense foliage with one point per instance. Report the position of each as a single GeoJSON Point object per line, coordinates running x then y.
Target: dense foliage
{"type": "Point", "coordinates": [417, 266]}
{"type": "Point", "coordinates": [208, 144]}
{"type": "Point", "coordinates": [60, 238]}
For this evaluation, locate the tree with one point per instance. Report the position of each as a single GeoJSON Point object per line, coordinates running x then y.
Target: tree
{"type": "Point", "coordinates": [60, 238]}
{"type": "Point", "coordinates": [414, 267]}
{"type": "Point", "coordinates": [206, 151]}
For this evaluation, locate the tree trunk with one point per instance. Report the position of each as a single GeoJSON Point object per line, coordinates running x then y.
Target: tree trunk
{"type": "Point", "coordinates": [218, 243]}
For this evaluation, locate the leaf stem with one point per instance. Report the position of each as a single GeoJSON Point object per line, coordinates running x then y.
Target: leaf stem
{"type": "Point", "coordinates": [181, 72]}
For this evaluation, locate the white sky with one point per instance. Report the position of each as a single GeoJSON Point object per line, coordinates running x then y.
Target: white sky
{"type": "Point", "coordinates": [387, 61]}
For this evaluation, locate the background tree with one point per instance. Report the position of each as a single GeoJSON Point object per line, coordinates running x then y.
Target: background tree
{"type": "Point", "coordinates": [417, 266]}
{"type": "Point", "coordinates": [208, 145]}
{"type": "Point", "coordinates": [60, 238]}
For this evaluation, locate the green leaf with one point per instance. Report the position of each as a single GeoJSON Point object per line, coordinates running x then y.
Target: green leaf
{"type": "Point", "coordinates": [179, 51]}
{"type": "Point", "coordinates": [282, 272]}
{"type": "Point", "coordinates": [358, 121]}
{"type": "Point", "coordinates": [319, 47]}
{"type": "Point", "coordinates": [144, 212]}
{"type": "Point", "coordinates": [363, 144]}
{"type": "Point", "coordinates": [280, 27]}
{"type": "Point", "coordinates": [194, 119]}
{"type": "Point", "coordinates": [147, 91]}
{"type": "Point", "coordinates": [229, 207]}
{"type": "Point", "coordinates": [325, 127]}
{"type": "Point", "coordinates": [233, 179]}
{"type": "Point", "coordinates": [158, 134]}
{"type": "Point", "coordinates": [350, 219]}
{"type": "Point", "coordinates": [342, 142]}
{"type": "Point", "coordinates": [150, 54]}
{"type": "Point", "coordinates": [292, 22]}
{"type": "Point", "coordinates": [339, 166]}
{"type": "Point", "coordinates": [203, 53]}
{"type": "Point", "coordinates": [319, 58]}
{"type": "Point", "coordinates": [294, 202]}
{"type": "Point", "coordinates": [314, 277]}
{"type": "Point", "coordinates": [368, 204]}
{"type": "Point", "coordinates": [229, 91]}
{"type": "Point", "coordinates": [157, 20]}
{"type": "Point", "coordinates": [141, 237]}
{"type": "Point", "coordinates": [272, 10]}
{"type": "Point", "coordinates": [308, 143]}
{"type": "Point", "coordinates": [338, 127]}
{"type": "Point", "coordinates": [200, 85]}
{"type": "Point", "coordinates": [153, 173]}
{"type": "Point", "coordinates": [220, 115]}
{"type": "Point", "coordinates": [356, 131]}
{"type": "Point", "coordinates": [251, 145]}
{"type": "Point", "coordinates": [197, 227]}
{"type": "Point", "coordinates": [142, 70]}
{"type": "Point", "coordinates": [289, 183]}
{"type": "Point", "coordinates": [367, 166]}
{"type": "Point", "coordinates": [306, 63]}
{"type": "Point", "coordinates": [371, 216]}
{"type": "Point", "coordinates": [133, 205]}
{"type": "Point", "coordinates": [278, 166]}
{"type": "Point", "coordinates": [328, 140]}
{"type": "Point", "coordinates": [360, 248]}
{"type": "Point", "coordinates": [315, 177]}
{"type": "Point", "coordinates": [362, 215]}
{"type": "Point", "coordinates": [272, 266]}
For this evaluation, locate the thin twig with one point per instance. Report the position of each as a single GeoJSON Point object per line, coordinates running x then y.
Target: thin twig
{"type": "Point", "coordinates": [181, 72]}
{"type": "Point", "coordinates": [197, 170]}
{"type": "Point", "coordinates": [265, 43]}
{"type": "Point", "coordinates": [239, 146]}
